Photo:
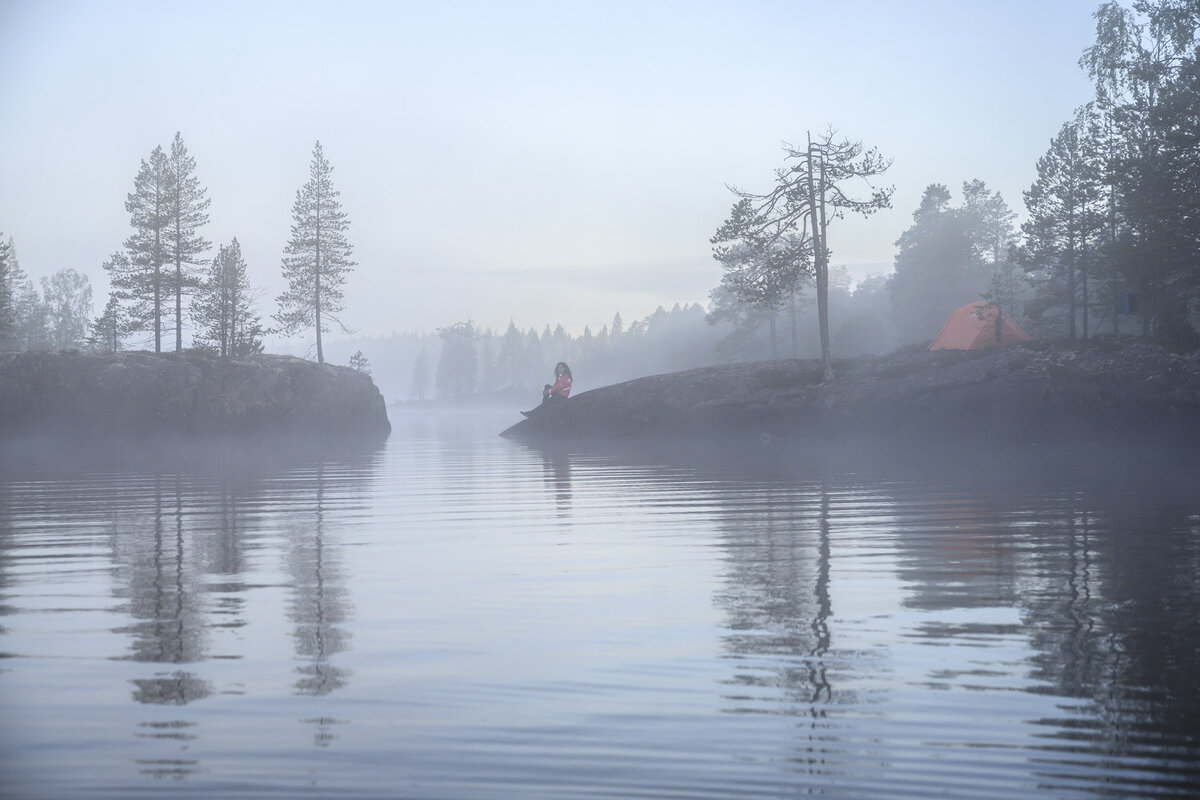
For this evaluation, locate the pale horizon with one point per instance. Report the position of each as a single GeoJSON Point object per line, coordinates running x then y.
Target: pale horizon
{"type": "Point", "coordinates": [540, 162]}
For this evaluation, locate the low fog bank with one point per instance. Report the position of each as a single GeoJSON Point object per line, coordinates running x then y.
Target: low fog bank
{"type": "Point", "coordinates": [244, 456]}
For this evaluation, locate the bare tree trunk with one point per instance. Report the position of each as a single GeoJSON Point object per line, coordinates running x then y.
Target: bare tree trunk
{"type": "Point", "coordinates": [230, 336]}
{"type": "Point", "coordinates": [317, 288]}
{"type": "Point", "coordinates": [821, 259]}
{"type": "Point", "coordinates": [178, 300]}
{"type": "Point", "coordinates": [792, 313]}
{"type": "Point", "coordinates": [157, 292]}
{"type": "Point", "coordinates": [1072, 289]}
{"type": "Point", "coordinates": [1083, 280]}
{"type": "Point", "coordinates": [158, 309]}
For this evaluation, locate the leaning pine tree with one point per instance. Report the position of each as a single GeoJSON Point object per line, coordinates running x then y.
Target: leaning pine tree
{"type": "Point", "coordinates": [317, 257]}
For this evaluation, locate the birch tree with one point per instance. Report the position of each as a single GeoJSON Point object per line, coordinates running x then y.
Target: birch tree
{"type": "Point", "coordinates": [67, 297]}
{"type": "Point", "coordinates": [109, 328]}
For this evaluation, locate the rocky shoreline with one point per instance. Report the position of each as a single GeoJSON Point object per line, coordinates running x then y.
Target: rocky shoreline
{"type": "Point", "coordinates": [1037, 392]}
{"type": "Point", "coordinates": [145, 394]}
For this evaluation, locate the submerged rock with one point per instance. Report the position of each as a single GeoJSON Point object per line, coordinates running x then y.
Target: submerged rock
{"type": "Point", "coordinates": [192, 393]}
{"type": "Point", "coordinates": [1034, 392]}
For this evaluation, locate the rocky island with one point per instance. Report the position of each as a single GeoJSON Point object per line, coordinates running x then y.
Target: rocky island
{"type": "Point", "coordinates": [140, 393]}
{"type": "Point", "coordinates": [1036, 392]}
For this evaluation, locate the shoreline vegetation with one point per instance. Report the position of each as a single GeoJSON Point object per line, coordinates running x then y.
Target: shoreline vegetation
{"type": "Point", "coordinates": [1101, 391]}
{"type": "Point", "coordinates": [133, 395]}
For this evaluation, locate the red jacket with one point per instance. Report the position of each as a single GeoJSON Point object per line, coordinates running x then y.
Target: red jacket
{"type": "Point", "coordinates": [562, 386]}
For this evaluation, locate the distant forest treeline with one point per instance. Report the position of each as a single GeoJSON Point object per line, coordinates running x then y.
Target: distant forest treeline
{"type": "Point", "coordinates": [1110, 245]}
{"type": "Point", "coordinates": [463, 360]}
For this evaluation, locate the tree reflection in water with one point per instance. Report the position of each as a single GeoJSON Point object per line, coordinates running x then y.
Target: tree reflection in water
{"type": "Point", "coordinates": [180, 542]}
{"type": "Point", "coordinates": [319, 607]}
{"type": "Point", "coordinates": [163, 597]}
{"type": "Point", "coordinates": [1114, 607]}
{"type": "Point", "coordinates": [1089, 578]}
{"type": "Point", "coordinates": [1104, 580]}
{"type": "Point", "coordinates": [776, 596]}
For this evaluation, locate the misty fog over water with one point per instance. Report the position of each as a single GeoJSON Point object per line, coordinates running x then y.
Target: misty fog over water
{"type": "Point", "coordinates": [454, 615]}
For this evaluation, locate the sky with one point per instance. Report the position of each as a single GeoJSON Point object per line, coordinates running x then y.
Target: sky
{"type": "Point", "coordinates": [537, 162]}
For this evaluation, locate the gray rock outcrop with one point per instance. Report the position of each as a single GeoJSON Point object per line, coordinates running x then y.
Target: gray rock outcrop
{"type": "Point", "coordinates": [193, 393]}
{"type": "Point", "coordinates": [1035, 392]}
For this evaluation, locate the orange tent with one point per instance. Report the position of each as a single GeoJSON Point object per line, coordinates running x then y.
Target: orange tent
{"type": "Point", "coordinates": [975, 326]}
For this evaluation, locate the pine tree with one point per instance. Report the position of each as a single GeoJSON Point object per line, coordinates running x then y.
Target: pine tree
{"type": "Point", "coordinates": [127, 280]}
{"type": "Point", "coordinates": [8, 299]}
{"type": "Point", "coordinates": [810, 190]}
{"type": "Point", "coordinates": [223, 307]}
{"type": "Point", "coordinates": [761, 270]}
{"type": "Point", "coordinates": [1146, 70]}
{"type": "Point", "coordinates": [187, 212]}
{"type": "Point", "coordinates": [1066, 220]}
{"type": "Point", "coordinates": [317, 257]}
{"type": "Point", "coordinates": [938, 266]}
{"type": "Point", "coordinates": [109, 328]}
{"type": "Point", "coordinates": [360, 363]}
{"type": "Point", "coordinates": [33, 318]}
{"type": "Point", "coordinates": [27, 314]}
{"type": "Point", "coordinates": [138, 274]}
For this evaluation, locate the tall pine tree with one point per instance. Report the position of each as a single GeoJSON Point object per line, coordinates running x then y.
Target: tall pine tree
{"type": "Point", "coordinates": [317, 257]}
{"type": "Point", "coordinates": [137, 275]}
{"type": "Point", "coordinates": [187, 212]}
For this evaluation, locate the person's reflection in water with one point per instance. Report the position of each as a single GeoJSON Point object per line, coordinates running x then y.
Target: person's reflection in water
{"type": "Point", "coordinates": [557, 465]}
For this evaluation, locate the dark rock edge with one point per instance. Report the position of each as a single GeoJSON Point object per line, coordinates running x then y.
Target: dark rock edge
{"type": "Point", "coordinates": [140, 393]}
{"type": "Point", "coordinates": [1106, 391]}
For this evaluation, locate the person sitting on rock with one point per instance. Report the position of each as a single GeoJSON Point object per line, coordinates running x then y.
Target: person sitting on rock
{"type": "Point", "coordinates": [559, 391]}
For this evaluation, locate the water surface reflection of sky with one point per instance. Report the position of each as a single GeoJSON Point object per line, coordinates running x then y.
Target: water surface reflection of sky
{"type": "Point", "coordinates": [462, 616]}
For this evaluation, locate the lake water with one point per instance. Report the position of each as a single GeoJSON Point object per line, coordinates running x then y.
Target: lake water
{"type": "Point", "coordinates": [454, 615]}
